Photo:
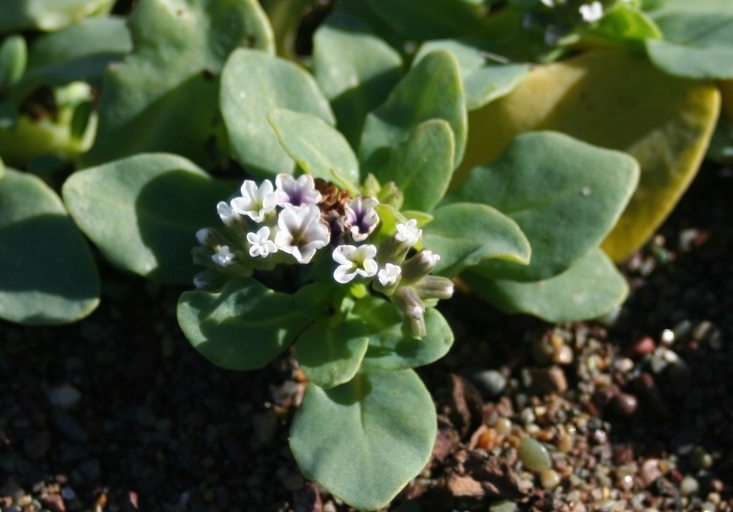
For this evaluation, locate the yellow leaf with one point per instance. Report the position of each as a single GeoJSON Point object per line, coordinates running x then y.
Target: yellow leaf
{"type": "Point", "coordinates": [616, 100]}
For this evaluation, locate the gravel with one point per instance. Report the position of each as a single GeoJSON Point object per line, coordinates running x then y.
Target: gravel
{"type": "Point", "coordinates": [118, 413]}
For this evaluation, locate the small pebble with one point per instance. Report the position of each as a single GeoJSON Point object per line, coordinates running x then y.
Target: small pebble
{"type": "Point", "coordinates": [64, 396]}
{"type": "Point", "coordinates": [625, 404]}
{"type": "Point", "coordinates": [534, 455]}
{"type": "Point", "coordinates": [549, 479]}
{"type": "Point", "coordinates": [667, 337]}
{"type": "Point", "coordinates": [504, 506]}
{"type": "Point", "coordinates": [503, 426]}
{"type": "Point", "coordinates": [491, 383]}
{"type": "Point", "coordinates": [689, 486]}
{"type": "Point", "coordinates": [643, 347]}
{"type": "Point", "coordinates": [701, 459]}
{"type": "Point", "coordinates": [707, 507]}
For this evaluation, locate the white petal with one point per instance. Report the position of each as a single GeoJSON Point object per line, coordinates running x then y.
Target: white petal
{"type": "Point", "coordinates": [343, 274]}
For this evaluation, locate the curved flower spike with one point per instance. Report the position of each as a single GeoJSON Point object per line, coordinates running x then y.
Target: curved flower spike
{"type": "Point", "coordinates": [255, 202]}
{"type": "Point", "coordinates": [260, 243]}
{"type": "Point", "coordinates": [361, 217]}
{"type": "Point", "coordinates": [408, 232]}
{"type": "Point", "coordinates": [354, 261]}
{"type": "Point", "coordinates": [296, 191]}
{"type": "Point", "coordinates": [301, 232]}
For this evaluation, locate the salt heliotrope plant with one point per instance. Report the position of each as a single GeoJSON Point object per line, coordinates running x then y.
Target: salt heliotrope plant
{"type": "Point", "coordinates": [402, 160]}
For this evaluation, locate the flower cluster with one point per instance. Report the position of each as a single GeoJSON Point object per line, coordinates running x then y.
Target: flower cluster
{"type": "Point", "coordinates": [296, 218]}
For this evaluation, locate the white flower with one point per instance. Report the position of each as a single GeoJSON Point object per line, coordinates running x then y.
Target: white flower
{"type": "Point", "coordinates": [255, 202]}
{"type": "Point", "coordinates": [389, 274]}
{"type": "Point", "coordinates": [548, 3]}
{"type": "Point", "coordinates": [301, 232]}
{"type": "Point", "coordinates": [227, 215]}
{"type": "Point", "coordinates": [354, 261]}
{"type": "Point", "coordinates": [260, 243]}
{"type": "Point", "coordinates": [408, 232]}
{"type": "Point", "coordinates": [361, 217]}
{"type": "Point", "coordinates": [592, 13]}
{"type": "Point", "coordinates": [296, 192]}
{"type": "Point", "coordinates": [224, 257]}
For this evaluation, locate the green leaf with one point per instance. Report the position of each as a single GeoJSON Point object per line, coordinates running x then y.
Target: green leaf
{"type": "Point", "coordinates": [143, 212]}
{"type": "Point", "coordinates": [565, 195]}
{"type": "Point", "coordinates": [431, 90]}
{"type": "Point", "coordinates": [624, 25]}
{"type": "Point", "coordinates": [464, 234]}
{"type": "Point", "coordinates": [330, 350]}
{"type": "Point", "coordinates": [365, 440]}
{"type": "Point", "coordinates": [391, 343]}
{"type": "Point", "coordinates": [317, 147]}
{"type": "Point", "coordinates": [80, 52]}
{"type": "Point", "coordinates": [243, 327]}
{"type": "Point", "coordinates": [588, 289]}
{"type": "Point", "coordinates": [419, 20]}
{"type": "Point", "coordinates": [355, 69]}
{"type": "Point", "coordinates": [422, 165]}
{"type": "Point", "coordinates": [484, 80]}
{"type": "Point", "coordinates": [13, 61]}
{"type": "Point", "coordinates": [165, 95]}
{"type": "Point", "coordinates": [698, 39]}
{"type": "Point", "coordinates": [253, 85]}
{"type": "Point", "coordinates": [48, 15]}
{"type": "Point", "coordinates": [49, 275]}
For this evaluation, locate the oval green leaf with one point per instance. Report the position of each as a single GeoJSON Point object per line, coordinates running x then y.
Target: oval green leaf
{"type": "Point", "coordinates": [565, 195]}
{"type": "Point", "coordinates": [465, 234]}
{"type": "Point", "coordinates": [431, 90]}
{"type": "Point", "coordinates": [589, 289]}
{"type": "Point", "coordinates": [143, 212]}
{"type": "Point", "coordinates": [484, 80]}
{"type": "Point", "coordinates": [80, 52]}
{"type": "Point", "coordinates": [317, 147]}
{"type": "Point", "coordinates": [48, 15]}
{"type": "Point", "coordinates": [330, 350]}
{"type": "Point", "coordinates": [355, 69]}
{"type": "Point", "coordinates": [391, 343]}
{"type": "Point", "coordinates": [422, 165]}
{"type": "Point", "coordinates": [253, 85]}
{"type": "Point", "coordinates": [49, 275]}
{"type": "Point", "coordinates": [365, 440]}
{"type": "Point", "coordinates": [165, 95]}
{"type": "Point", "coordinates": [698, 39]}
{"type": "Point", "coordinates": [243, 327]}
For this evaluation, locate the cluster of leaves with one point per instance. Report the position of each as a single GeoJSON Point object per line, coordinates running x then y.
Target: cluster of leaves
{"type": "Point", "coordinates": [404, 100]}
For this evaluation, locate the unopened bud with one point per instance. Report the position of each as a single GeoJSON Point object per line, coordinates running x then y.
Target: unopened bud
{"type": "Point", "coordinates": [408, 301]}
{"type": "Point", "coordinates": [434, 287]}
{"type": "Point", "coordinates": [390, 194]}
{"type": "Point", "coordinates": [419, 266]}
{"type": "Point", "coordinates": [208, 280]}
{"type": "Point", "coordinates": [211, 239]}
{"type": "Point", "coordinates": [202, 256]}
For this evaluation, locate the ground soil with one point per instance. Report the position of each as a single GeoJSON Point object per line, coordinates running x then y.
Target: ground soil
{"type": "Point", "coordinates": [119, 413]}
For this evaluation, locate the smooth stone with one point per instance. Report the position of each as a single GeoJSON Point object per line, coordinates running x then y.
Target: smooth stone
{"type": "Point", "coordinates": [64, 396]}
{"type": "Point", "coordinates": [533, 455]}
{"type": "Point", "coordinates": [549, 479]}
{"type": "Point", "coordinates": [701, 459]}
{"type": "Point", "coordinates": [504, 506]}
{"type": "Point", "coordinates": [491, 383]}
{"type": "Point", "coordinates": [689, 486]}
